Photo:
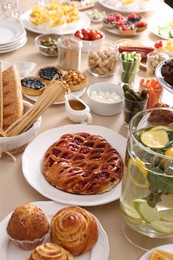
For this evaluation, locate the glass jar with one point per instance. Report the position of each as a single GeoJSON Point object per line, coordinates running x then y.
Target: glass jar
{"type": "Point", "coordinates": [102, 59]}
{"type": "Point", "coordinates": [153, 59]}
{"type": "Point", "coordinates": [146, 199]}
{"type": "Point", "coordinates": [69, 53]}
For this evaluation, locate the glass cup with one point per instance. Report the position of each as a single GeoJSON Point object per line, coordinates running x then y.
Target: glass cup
{"type": "Point", "coordinates": [154, 90]}
{"type": "Point", "coordinates": [131, 108]}
{"type": "Point", "coordinates": [128, 71]}
{"type": "Point", "coordinates": [153, 60]}
{"type": "Point", "coordinates": [146, 199]}
{"type": "Point", "coordinates": [10, 9]}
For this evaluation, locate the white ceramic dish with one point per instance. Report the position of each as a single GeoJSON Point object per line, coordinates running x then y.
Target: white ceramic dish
{"type": "Point", "coordinates": [37, 150]}
{"type": "Point", "coordinates": [10, 252]}
{"type": "Point", "coordinates": [25, 68]}
{"type": "Point", "coordinates": [147, 255]}
{"type": "Point", "coordinates": [160, 78]}
{"type": "Point", "coordinates": [83, 22]}
{"type": "Point", "coordinates": [87, 44]}
{"type": "Point", "coordinates": [155, 30]}
{"type": "Point", "coordinates": [76, 93]}
{"type": "Point", "coordinates": [105, 109]}
{"type": "Point", "coordinates": [116, 5]}
{"type": "Point", "coordinates": [10, 32]}
{"type": "Point", "coordinates": [15, 47]}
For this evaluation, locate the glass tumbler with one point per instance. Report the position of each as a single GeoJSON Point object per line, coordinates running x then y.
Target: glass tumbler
{"type": "Point", "coordinates": [102, 59]}
{"type": "Point", "coordinates": [146, 199]}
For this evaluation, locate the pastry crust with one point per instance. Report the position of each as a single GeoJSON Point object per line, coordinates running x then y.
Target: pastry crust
{"type": "Point", "coordinates": [82, 163]}
{"type": "Point", "coordinates": [51, 251]}
{"type": "Point", "coordinates": [75, 229]}
{"type": "Point", "coordinates": [31, 90]}
{"type": "Point", "coordinates": [12, 96]}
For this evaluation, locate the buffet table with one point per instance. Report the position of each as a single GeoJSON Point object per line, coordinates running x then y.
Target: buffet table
{"type": "Point", "coordinates": [14, 190]}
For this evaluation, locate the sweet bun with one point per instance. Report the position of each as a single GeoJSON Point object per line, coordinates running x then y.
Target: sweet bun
{"type": "Point", "coordinates": [49, 251]}
{"type": "Point", "coordinates": [12, 96]}
{"type": "Point", "coordinates": [32, 86]}
{"type": "Point", "coordinates": [27, 226]}
{"type": "Point", "coordinates": [75, 229]}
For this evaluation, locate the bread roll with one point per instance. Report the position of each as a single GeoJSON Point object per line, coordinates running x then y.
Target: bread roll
{"type": "Point", "coordinates": [51, 251]}
{"type": "Point", "coordinates": [27, 226]}
{"type": "Point", "coordinates": [12, 96]}
{"type": "Point", "coordinates": [74, 229]}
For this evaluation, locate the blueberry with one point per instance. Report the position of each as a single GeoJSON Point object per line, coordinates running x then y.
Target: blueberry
{"type": "Point", "coordinates": [49, 73]}
{"type": "Point", "coordinates": [32, 83]}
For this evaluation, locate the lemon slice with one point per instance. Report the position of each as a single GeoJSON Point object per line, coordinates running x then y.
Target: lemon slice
{"type": "Point", "coordinates": [127, 2]}
{"type": "Point", "coordinates": [166, 215]}
{"type": "Point", "coordinates": [169, 152]}
{"type": "Point", "coordinates": [130, 213]}
{"type": "Point", "coordinates": [138, 173]}
{"type": "Point", "coordinates": [155, 138]}
{"type": "Point", "coordinates": [163, 226]}
{"type": "Point", "coordinates": [147, 213]}
{"type": "Point", "coordinates": [161, 127]}
{"type": "Point", "coordinates": [159, 254]}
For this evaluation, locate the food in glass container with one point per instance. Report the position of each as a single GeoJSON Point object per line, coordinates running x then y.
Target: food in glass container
{"type": "Point", "coordinates": [147, 185]}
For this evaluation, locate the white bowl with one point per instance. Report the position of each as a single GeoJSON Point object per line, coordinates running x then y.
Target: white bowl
{"type": "Point", "coordinates": [24, 68]}
{"type": "Point", "coordinates": [108, 108]}
{"type": "Point", "coordinates": [16, 144]}
{"type": "Point", "coordinates": [87, 44]}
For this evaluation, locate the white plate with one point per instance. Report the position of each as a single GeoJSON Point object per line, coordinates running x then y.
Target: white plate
{"type": "Point", "coordinates": [83, 22]}
{"type": "Point", "coordinates": [10, 252]}
{"type": "Point", "coordinates": [147, 256]}
{"type": "Point", "coordinates": [15, 47]}
{"type": "Point", "coordinates": [116, 5]}
{"type": "Point", "coordinates": [76, 93]}
{"type": "Point", "coordinates": [10, 32]}
{"type": "Point", "coordinates": [32, 160]}
{"type": "Point", "coordinates": [160, 78]}
{"type": "Point", "coordinates": [155, 31]}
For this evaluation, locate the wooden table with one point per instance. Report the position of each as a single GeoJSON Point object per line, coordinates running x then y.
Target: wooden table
{"type": "Point", "coordinates": [14, 190]}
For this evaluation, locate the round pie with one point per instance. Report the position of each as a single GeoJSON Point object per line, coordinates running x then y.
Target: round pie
{"type": "Point", "coordinates": [82, 163]}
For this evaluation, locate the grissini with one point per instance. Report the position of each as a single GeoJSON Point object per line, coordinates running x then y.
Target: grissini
{"type": "Point", "coordinates": [1, 98]}
{"type": "Point", "coordinates": [12, 96]}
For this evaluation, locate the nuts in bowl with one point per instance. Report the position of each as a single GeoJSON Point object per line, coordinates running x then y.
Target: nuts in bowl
{"type": "Point", "coordinates": [47, 44]}
{"type": "Point", "coordinates": [88, 37]}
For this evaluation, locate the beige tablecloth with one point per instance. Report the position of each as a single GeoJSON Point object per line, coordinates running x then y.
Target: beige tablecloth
{"type": "Point", "coordinates": [14, 189]}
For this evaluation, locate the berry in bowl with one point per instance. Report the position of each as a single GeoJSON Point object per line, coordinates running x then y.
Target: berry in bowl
{"type": "Point", "coordinates": [88, 37]}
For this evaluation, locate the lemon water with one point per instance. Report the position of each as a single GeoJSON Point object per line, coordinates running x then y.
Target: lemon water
{"type": "Point", "coordinates": [147, 186]}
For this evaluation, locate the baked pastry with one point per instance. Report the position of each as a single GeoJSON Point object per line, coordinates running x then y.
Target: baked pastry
{"type": "Point", "coordinates": [127, 29]}
{"type": "Point", "coordinates": [82, 163]}
{"type": "Point", "coordinates": [51, 251]}
{"type": "Point", "coordinates": [32, 86]}
{"type": "Point", "coordinates": [167, 71]}
{"type": "Point", "coordinates": [27, 226]}
{"type": "Point", "coordinates": [161, 117]}
{"type": "Point", "coordinates": [75, 80]}
{"type": "Point", "coordinates": [75, 229]}
{"type": "Point", "coordinates": [48, 73]}
{"type": "Point", "coordinates": [134, 18]}
{"type": "Point", "coordinates": [12, 96]}
{"type": "Point", "coordinates": [109, 21]}
{"type": "Point", "coordinates": [141, 26]}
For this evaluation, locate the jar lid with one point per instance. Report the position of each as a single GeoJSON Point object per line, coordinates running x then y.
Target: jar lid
{"type": "Point", "coordinates": [69, 42]}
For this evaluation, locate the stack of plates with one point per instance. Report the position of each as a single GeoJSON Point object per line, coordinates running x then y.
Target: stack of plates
{"type": "Point", "coordinates": [12, 36]}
